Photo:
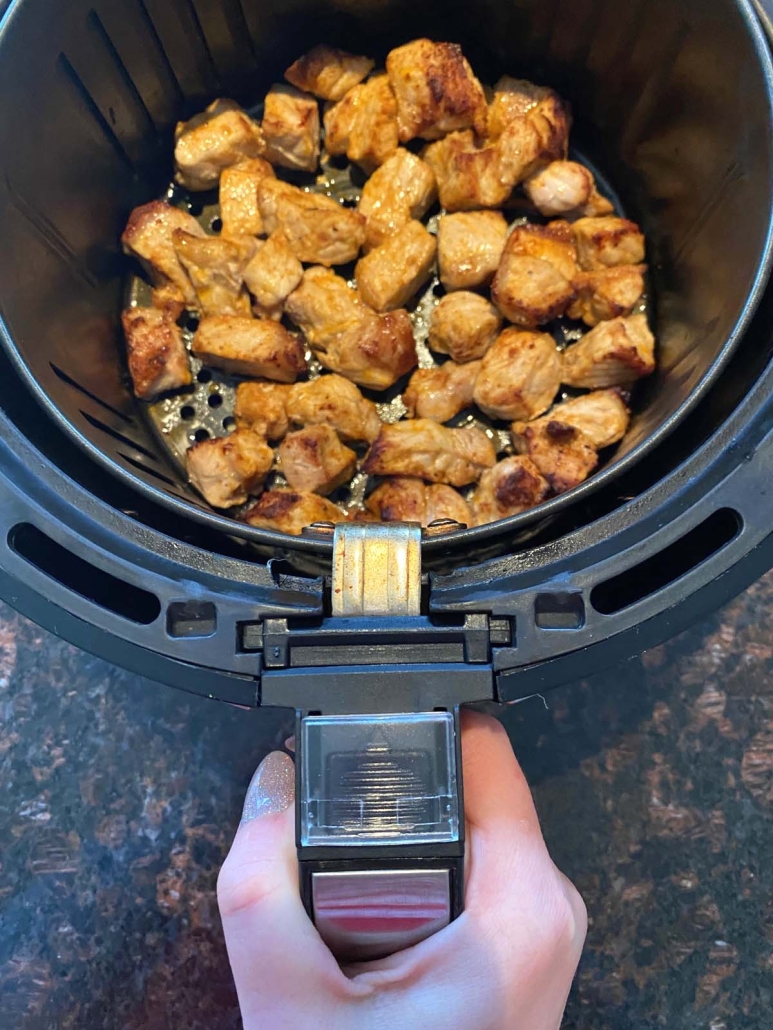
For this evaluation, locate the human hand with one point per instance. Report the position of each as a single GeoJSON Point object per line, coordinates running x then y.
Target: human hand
{"type": "Point", "coordinates": [506, 962]}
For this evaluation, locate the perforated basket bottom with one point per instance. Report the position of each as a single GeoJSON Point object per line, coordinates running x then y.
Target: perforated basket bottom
{"type": "Point", "coordinates": [206, 409]}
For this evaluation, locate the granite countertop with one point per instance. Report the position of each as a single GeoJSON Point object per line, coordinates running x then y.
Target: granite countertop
{"type": "Point", "coordinates": [654, 782]}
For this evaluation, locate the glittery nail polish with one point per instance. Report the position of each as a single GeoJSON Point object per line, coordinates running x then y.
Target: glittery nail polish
{"type": "Point", "coordinates": [272, 788]}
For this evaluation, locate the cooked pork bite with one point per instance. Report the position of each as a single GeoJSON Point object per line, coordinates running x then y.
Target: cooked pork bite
{"type": "Point", "coordinates": [436, 90]}
{"type": "Point", "coordinates": [519, 376]}
{"type": "Point", "coordinates": [216, 266]}
{"type": "Point", "coordinates": [328, 72]}
{"type": "Point", "coordinates": [291, 128]}
{"type": "Point", "coordinates": [391, 273]}
{"type": "Point", "coordinates": [471, 176]}
{"type": "Point", "coordinates": [314, 459]}
{"type": "Point", "coordinates": [533, 283]}
{"type": "Point", "coordinates": [318, 229]}
{"type": "Point", "coordinates": [228, 469]}
{"type": "Point", "coordinates": [403, 188]}
{"type": "Point", "coordinates": [565, 187]}
{"type": "Point", "coordinates": [262, 407]}
{"type": "Point", "coordinates": [221, 136]}
{"type": "Point", "coordinates": [470, 246]}
{"type": "Point", "coordinates": [463, 325]}
{"type": "Point", "coordinates": [289, 511]}
{"type": "Point", "coordinates": [601, 415]}
{"type": "Point", "coordinates": [376, 353]}
{"type": "Point", "coordinates": [513, 485]}
{"type": "Point", "coordinates": [403, 499]}
{"type": "Point", "coordinates": [605, 242]}
{"type": "Point", "coordinates": [442, 392]}
{"type": "Point", "coordinates": [363, 125]}
{"type": "Point", "coordinates": [608, 293]}
{"type": "Point", "coordinates": [423, 448]}
{"type": "Point", "coordinates": [372, 350]}
{"type": "Point", "coordinates": [148, 236]}
{"type": "Point", "coordinates": [529, 123]}
{"type": "Point", "coordinates": [239, 211]}
{"type": "Point", "coordinates": [323, 306]}
{"type": "Point", "coordinates": [564, 454]}
{"type": "Point", "coordinates": [249, 347]}
{"type": "Point", "coordinates": [334, 401]}
{"type": "Point", "coordinates": [168, 298]}
{"type": "Point", "coordinates": [158, 360]}
{"type": "Point", "coordinates": [615, 353]}
{"type": "Point", "coordinates": [274, 271]}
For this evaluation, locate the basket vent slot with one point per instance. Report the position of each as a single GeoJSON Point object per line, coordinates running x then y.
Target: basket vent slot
{"type": "Point", "coordinates": [83, 578]}
{"type": "Point", "coordinates": [675, 561]}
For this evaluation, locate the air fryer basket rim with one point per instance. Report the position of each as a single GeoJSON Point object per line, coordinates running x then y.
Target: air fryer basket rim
{"type": "Point", "coordinates": [460, 539]}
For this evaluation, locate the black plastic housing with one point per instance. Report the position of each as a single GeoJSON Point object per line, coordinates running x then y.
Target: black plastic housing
{"type": "Point", "coordinates": [673, 101]}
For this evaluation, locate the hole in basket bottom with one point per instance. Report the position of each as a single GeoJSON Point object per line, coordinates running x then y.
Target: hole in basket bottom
{"type": "Point", "coordinates": [200, 435]}
{"type": "Point", "coordinates": [675, 561]}
{"type": "Point", "coordinates": [81, 577]}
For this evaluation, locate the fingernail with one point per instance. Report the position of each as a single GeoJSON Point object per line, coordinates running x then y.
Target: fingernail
{"type": "Point", "coordinates": [290, 743]}
{"type": "Point", "coordinates": [272, 788]}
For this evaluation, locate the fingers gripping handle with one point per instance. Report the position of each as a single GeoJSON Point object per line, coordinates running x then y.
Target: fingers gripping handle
{"type": "Point", "coordinates": [380, 828]}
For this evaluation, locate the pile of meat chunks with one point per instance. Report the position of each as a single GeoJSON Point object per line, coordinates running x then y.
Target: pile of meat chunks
{"type": "Point", "coordinates": [272, 265]}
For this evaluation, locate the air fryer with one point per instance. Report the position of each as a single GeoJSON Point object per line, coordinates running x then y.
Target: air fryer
{"type": "Point", "coordinates": [103, 541]}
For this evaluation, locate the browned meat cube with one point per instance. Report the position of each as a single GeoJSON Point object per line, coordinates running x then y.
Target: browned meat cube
{"type": "Point", "coordinates": [291, 128]}
{"type": "Point", "coordinates": [148, 236]}
{"type": "Point", "coordinates": [324, 306]}
{"type": "Point", "coordinates": [158, 360]}
{"type": "Point", "coordinates": [423, 448]}
{"type": "Point", "coordinates": [402, 499]}
{"type": "Point", "coordinates": [605, 242]}
{"type": "Point", "coordinates": [463, 325]}
{"type": "Point", "coordinates": [221, 136]}
{"type": "Point", "coordinates": [403, 188]}
{"type": "Point", "coordinates": [376, 353]}
{"type": "Point", "coordinates": [274, 271]}
{"type": "Point", "coordinates": [363, 125]}
{"type": "Point", "coordinates": [372, 350]}
{"type": "Point", "coordinates": [228, 469]}
{"type": "Point", "coordinates": [513, 485]}
{"type": "Point", "coordinates": [606, 294]}
{"type": "Point", "coordinates": [519, 376]}
{"type": "Point", "coordinates": [563, 454]}
{"type": "Point", "coordinates": [314, 459]}
{"type": "Point", "coordinates": [529, 123]}
{"type": "Point", "coordinates": [436, 90]}
{"type": "Point", "coordinates": [615, 353]}
{"type": "Point", "coordinates": [168, 298]}
{"type": "Point", "coordinates": [318, 229]}
{"type": "Point", "coordinates": [566, 188]}
{"type": "Point", "coordinates": [239, 211]}
{"type": "Point", "coordinates": [334, 401]}
{"type": "Point", "coordinates": [249, 347]}
{"type": "Point", "coordinates": [442, 392]}
{"type": "Point", "coordinates": [533, 283]}
{"type": "Point", "coordinates": [469, 247]}
{"type": "Point", "coordinates": [394, 271]}
{"type": "Point", "coordinates": [471, 176]}
{"type": "Point", "coordinates": [288, 511]}
{"type": "Point", "coordinates": [262, 407]}
{"type": "Point", "coordinates": [601, 415]}
{"type": "Point", "coordinates": [328, 72]}
{"type": "Point", "coordinates": [216, 267]}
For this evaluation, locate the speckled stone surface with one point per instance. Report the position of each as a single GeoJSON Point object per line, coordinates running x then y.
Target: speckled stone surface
{"type": "Point", "coordinates": [119, 797]}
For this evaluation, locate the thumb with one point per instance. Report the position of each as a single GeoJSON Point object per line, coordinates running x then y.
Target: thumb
{"type": "Point", "coordinates": [272, 944]}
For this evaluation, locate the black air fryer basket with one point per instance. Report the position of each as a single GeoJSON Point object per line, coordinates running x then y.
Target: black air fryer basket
{"type": "Point", "coordinates": [102, 541]}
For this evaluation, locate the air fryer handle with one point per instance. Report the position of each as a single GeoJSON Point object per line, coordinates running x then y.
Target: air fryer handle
{"type": "Point", "coordinates": [380, 828]}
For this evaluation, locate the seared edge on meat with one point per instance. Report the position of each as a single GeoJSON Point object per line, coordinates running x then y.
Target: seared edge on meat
{"type": "Point", "coordinates": [158, 360]}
